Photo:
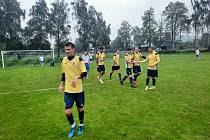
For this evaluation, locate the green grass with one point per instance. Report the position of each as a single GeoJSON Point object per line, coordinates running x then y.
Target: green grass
{"type": "Point", "coordinates": [179, 108]}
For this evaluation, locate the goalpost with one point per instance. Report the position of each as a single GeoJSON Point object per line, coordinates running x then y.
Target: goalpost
{"type": "Point", "coordinates": [25, 54]}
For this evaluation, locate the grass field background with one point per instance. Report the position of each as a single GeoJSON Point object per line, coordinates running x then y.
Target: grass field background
{"type": "Point", "coordinates": [179, 108]}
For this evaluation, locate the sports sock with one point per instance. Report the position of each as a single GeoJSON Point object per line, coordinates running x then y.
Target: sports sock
{"type": "Point", "coordinates": [70, 118]}
{"type": "Point", "coordinates": [110, 76]}
{"type": "Point", "coordinates": [131, 80]}
{"type": "Point", "coordinates": [81, 117]}
{"type": "Point", "coordinates": [153, 82]}
{"type": "Point", "coordinates": [125, 77]}
{"type": "Point", "coordinates": [147, 82]}
{"type": "Point", "coordinates": [119, 74]}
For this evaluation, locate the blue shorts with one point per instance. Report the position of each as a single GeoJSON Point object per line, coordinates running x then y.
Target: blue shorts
{"type": "Point", "coordinates": [101, 68]}
{"type": "Point", "coordinates": [136, 69]}
{"type": "Point", "coordinates": [87, 65]}
{"type": "Point", "coordinates": [69, 99]}
{"type": "Point", "coordinates": [129, 71]}
{"type": "Point", "coordinates": [152, 73]}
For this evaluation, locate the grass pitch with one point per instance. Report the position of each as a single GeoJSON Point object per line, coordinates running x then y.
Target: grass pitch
{"type": "Point", "coordinates": [179, 108]}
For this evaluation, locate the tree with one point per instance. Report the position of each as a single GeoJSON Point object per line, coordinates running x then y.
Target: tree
{"type": "Point", "coordinates": [10, 24]}
{"type": "Point", "coordinates": [91, 26]}
{"type": "Point", "coordinates": [149, 27]}
{"type": "Point", "coordinates": [59, 23]}
{"type": "Point", "coordinates": [137, 38]}
{"type": "Point", "coordinates": [201, 18]}
{"type": "Point", "coordinates": [124, 35]}
{"type": "Point", "coordinates": [37, 29]}
{"type": "Point", "coordinates": [175, 14]}
{"type": "Point", "coordinates": [99, 31]}
{"type": "Point", "coordinates": [82, 27]}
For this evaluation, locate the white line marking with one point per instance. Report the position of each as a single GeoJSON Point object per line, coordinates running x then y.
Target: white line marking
{"type": "Point", "coordinates": [45, 89]}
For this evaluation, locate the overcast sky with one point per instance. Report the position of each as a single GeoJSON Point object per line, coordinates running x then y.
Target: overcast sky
{"type": "Point", "coordinates": [115, 11]}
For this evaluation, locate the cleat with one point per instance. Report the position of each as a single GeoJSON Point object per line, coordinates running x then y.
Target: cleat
{"type": "Point", "coordinates": [121, 82]}
{"type": "Point", "coordinates": [80, 130]}
{"type": "Point", "coordinates": [146, 88]}
{"type": "Point", "coordinates": [153, 87]}
{"type": "Point", "coordinates": [71, 132]}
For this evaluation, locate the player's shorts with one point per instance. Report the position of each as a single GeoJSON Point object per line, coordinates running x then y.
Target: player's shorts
{"type": "Point", "coordinates": [69, 99]}
{"type": "Point", "coordinates": [87, 65]}
{"type": "Point", "coordinates": [152, 73]}
{"type": "Point", "coordinates": [136, 69]}
{"type": "Point", "coordinates": [115, 68]}
{"type": "Point", "coordinates": [101, 68]}
{"type": "Point", "coordinates": [129, 71]}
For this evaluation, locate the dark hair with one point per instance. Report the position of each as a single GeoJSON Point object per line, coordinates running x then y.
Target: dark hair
{"type": "Point", "coordinates": [70, 44]}
{"type": "Point", "coordinates": [101, 48]}
{"type": "Point", "coordinates": [152, 47]}
{"type": "Point", "coordinates": [128, 49]}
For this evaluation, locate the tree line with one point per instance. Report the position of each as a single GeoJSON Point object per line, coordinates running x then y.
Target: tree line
{"type": "Point", "coordinates": [56, 22]}
{"type": "Point", "coordinates": [53, 22]}
{"type": "Point", "coordinates": [167, 33]}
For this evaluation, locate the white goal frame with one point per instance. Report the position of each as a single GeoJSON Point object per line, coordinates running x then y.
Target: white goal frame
{"type": "Point", "coordinates": [4, 52]}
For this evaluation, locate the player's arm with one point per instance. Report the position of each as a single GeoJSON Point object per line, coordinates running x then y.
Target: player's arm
{"type": "Point", "coordinates": [97, 59]}
{"type": "Point", "coordinates": [83, 70]}
{"type": "Point", "coordinates": [63, 78]}
{"type": "Point", "coordinates": [143, 61]}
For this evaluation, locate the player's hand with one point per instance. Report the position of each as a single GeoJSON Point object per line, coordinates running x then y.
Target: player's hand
{"type": "Point", "coordinates": [61, 88]}
{"type": "Point", "coordinates": [74, 83]}
{"type": "Point", "coordinates": [151, 66]}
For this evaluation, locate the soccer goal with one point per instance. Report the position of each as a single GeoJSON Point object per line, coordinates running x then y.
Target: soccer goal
{"type": "Point", "coordinates": [26, 57]}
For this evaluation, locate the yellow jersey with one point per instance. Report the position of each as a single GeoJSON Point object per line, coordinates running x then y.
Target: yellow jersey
{"type": "Point", "coordinates": [72, 70]}
{"type": "Point", "coordinates": [101, 57]}
{"type": "Point", "coordinates": [153, 59]}
{"type": "Point", "coordinates": [128, 60]}
{"type": "Point", "coordinates": [116, 60]}
{"type": "Point", "coordinates": [137, 58]}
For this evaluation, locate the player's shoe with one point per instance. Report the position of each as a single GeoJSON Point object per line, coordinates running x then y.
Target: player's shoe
{"type": "Point", "coordinates": [153, 87]}
{"type": "Point", "coordinates": [146, 88]}
{"type": "Point", "coordinates": [80, 130]}
{"type": "Point", "coordinates": [100, 80]}
{"type": "Point", "coordinates": [71, 132]}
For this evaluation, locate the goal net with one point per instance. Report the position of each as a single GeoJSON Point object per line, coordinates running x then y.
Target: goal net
{"type": "Point", "coordinates": [27, 57]}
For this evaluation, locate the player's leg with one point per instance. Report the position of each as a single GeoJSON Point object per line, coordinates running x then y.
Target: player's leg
{"type": "Point", "coordinates": [110, 75]}
{"type": "Point", "coordinates": [99, 72]}
{"type": "Point", "coordinates": [102, 73]}
{"type": "Point", "coordinates": [119, 74]}
{"type": "Point", "coordinates": [88, 69]}
{"type": "Point", "coordinates": [148, 78]}
{"type": "Point", "coordinates": [69, 101]}
{"type": "Point", "coordinates": [137, 73]}
{"type": "Point", "coordinates": [125, 77]}
{"type": "Point", "coordinates": [154, 75]}
{"type": "Point", "coordinates": [80, 101]}
{"type": "Point", "coordinates": [131, 78]}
